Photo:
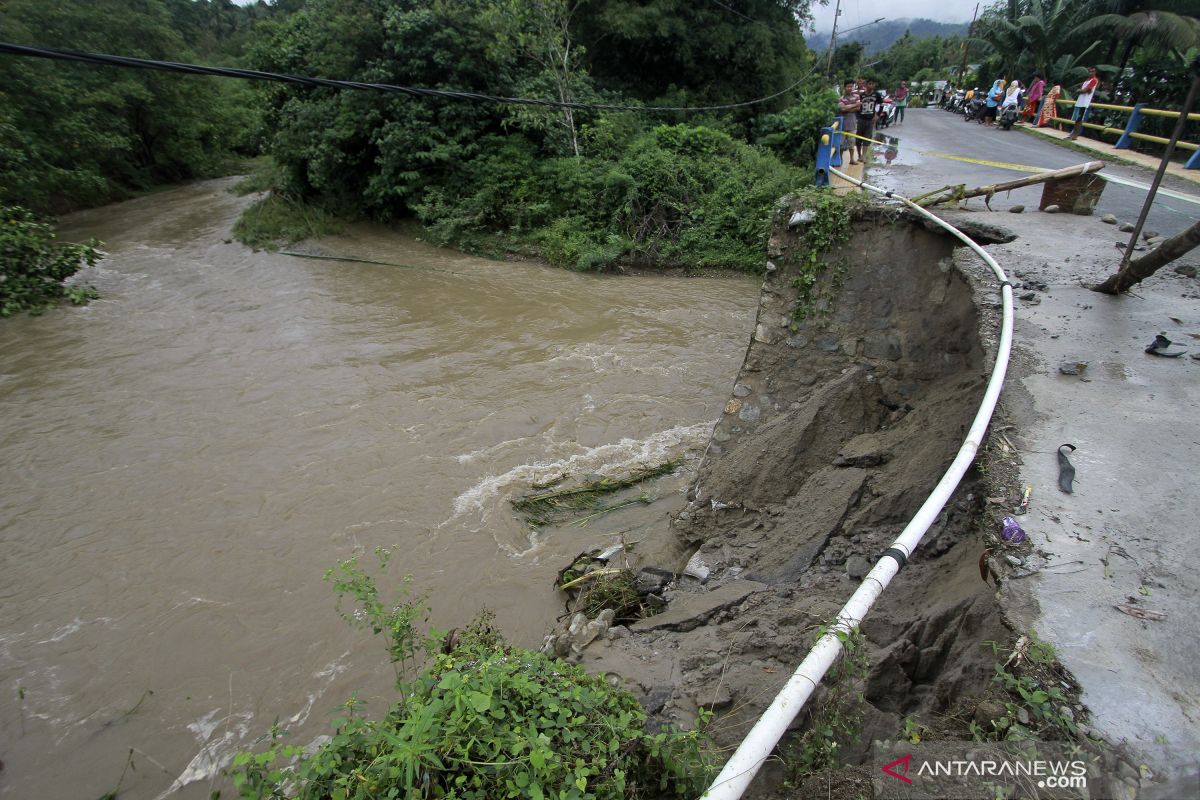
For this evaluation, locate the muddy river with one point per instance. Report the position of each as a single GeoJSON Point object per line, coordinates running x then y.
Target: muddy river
{"type": "Point", "coordinates": [184, 458]}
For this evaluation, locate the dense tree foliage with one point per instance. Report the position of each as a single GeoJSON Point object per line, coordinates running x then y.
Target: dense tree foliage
{"type": "Point", "coordinates": [1142, 47]}
{"type": "Point", "coordinates": [694, 52]}
{"type": "Point", "coordinates": [74, 135]}
{"type": "Point", "coordinates": [585, 186]}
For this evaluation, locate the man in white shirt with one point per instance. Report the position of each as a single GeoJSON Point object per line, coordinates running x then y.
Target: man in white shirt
{"type": "Point", "coordinates": [1083, 102]}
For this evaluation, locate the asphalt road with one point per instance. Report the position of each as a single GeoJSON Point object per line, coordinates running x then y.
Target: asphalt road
{"type": "Point", "coordinates": [934, 130]}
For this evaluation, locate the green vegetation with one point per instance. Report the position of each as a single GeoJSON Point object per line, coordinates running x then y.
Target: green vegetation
{"type": "Point", "coordinates": [482, 720]}
{"type": "Point", "coordinates": [1032, 704]}
{"type": "Point", "coordinates": [836, 721]}
{"type": "Point", "coordinates": [583, 188]}
{"type": "Point", "coordinates": [818, 278]}
{"type": "Point", "coordinates": [278, 220]}
{"type": "Point", "coordinates": [73, 135]}
{"type": "Point", "coordinates": [33, 268]}
{"type": "Point", "coordinates": [671, 195]}
{"type": "Point", "coordinates": [1060, 39]}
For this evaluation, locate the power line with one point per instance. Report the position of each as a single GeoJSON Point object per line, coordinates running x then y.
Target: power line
{"type": "Point", "coordinates": [735, 11]}
{"type": "Point", "coordinates": [105, 59]}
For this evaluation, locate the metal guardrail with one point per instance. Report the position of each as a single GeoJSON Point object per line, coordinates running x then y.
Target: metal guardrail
{"type": "Point", "coordinates": [829, 151]}
{"type": "Point", "coordinates": [1130, 131]}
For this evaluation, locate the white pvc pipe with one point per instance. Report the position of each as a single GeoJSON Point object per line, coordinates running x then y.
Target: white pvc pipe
{"type": "Point", "coordinates": [741, 768]}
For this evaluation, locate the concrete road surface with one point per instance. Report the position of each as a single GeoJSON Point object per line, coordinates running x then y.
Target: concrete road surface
{"type": "Point", "coordinates": [937, 131]}
{"type": "Point", "coordinates": [1129, 534]}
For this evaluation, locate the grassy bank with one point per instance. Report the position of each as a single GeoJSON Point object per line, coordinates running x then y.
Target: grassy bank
{"type": "Point", "coordinates": [672, 196]}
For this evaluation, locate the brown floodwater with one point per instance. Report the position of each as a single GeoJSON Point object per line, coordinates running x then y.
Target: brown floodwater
{"type": "Point", "coordinates": [185, 457]}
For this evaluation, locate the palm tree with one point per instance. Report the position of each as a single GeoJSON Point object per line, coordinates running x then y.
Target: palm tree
{"type": "Point", "coordinates": [1044, 29]}
{"type": "Point", "coordinates": [1030, 36]}
{"type": "Point", "coordinates": [1162, 22]}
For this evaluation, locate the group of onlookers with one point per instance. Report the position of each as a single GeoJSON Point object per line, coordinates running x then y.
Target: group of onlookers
{"type": "Point", "coordinates": [1039, 103]}
{"type": "Point", "coordinates": [860, 106]}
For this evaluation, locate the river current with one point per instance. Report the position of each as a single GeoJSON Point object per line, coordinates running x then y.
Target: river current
{"type": "Point", "coordinates": [182, 460]}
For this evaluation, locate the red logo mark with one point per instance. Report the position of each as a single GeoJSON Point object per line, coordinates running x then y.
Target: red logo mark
{"type": "Point", "coordinates": [903, 776]}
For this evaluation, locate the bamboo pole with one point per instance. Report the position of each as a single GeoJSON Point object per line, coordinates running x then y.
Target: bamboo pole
{"type": "Point", "coordinates": [952, 193]}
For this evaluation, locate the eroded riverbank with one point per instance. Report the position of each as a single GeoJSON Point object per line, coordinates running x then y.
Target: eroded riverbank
{"type": "Point", "coordinates": [836, 430]}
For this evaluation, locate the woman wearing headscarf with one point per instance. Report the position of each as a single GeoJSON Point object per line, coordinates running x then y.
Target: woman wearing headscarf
{"type": "Point", "coordinates": [995, 96]}
{"type": "Point", "coordinates": [1049, 107]}
{"type": "Point", "coordinates": [1012, 95]}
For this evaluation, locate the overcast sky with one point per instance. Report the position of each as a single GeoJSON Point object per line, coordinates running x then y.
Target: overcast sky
{"type": "Point", "coordinates": [857, 12]}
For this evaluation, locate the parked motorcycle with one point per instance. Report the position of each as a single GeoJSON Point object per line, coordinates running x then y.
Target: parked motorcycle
{"type": "Point", "coordinates": [974, 111]}
{"type": "Point", "coordinates": [886, 114]}
{"type": "Point", "coordinates": [1008, 116]}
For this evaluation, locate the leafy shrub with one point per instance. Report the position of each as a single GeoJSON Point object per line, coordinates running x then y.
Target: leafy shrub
{"type": "Point", "coordinates": [483, 721]}
{"type": "Point", "coordinates": [793, 133]}
{"type": "Point", "coordinates": [32, 268]}
{"type": "Point", "coordinates": [697, 197]}
{"type": "Point", "coordinates": [673, 195]}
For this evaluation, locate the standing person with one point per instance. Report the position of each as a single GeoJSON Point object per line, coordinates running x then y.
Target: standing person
{"type": "Point", "coordinates": [1034, 97]}
{"type": "Point", "coordinates": [901, 101]}
{"type": "Point", "coordinates": [848, 107]}
{"type": "Point", "coordinates": [870, 101]}
{"type": "Point", "coordinates": [1083, 102]}
{"type": "Point", "coordinates": [1049, 107]}
{"type": "Point", "coordinates": [995, 96]}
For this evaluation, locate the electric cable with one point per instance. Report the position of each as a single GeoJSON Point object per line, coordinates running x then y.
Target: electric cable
{"type": "Point", "coordinates": [105, 59]}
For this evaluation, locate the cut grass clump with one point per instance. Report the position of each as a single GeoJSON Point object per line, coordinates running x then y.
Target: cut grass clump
{"type": "Point", "coordinates": [549, 507]}
{"type": "Point", "coordinates": [615, 591]}
{"type": "Point", "coordinates": [277, 220]}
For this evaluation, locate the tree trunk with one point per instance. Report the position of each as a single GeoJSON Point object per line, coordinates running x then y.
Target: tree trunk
{"type": "Point", "coordinates": [1138, 270]}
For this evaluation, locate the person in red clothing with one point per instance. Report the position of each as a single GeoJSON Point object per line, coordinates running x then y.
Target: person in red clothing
{"type": "Point", "coordinates": [1083, 102]}
{"type": "Point", "coordinates": [1034, 98]}
{"type": "Point", "coordinates": [901, 101]}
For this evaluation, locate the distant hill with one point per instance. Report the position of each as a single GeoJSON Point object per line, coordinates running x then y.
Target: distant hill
{"type": "Point", "coordinates": [881, 36]}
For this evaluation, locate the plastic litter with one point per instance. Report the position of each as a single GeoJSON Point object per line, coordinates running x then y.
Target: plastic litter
{"type": "Point", "coordinates": [1012, 533]}
{"type": "Point", "coordinates": [1159, 348]}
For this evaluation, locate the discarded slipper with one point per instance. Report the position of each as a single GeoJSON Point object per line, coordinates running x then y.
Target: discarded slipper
{"type": "Point", "coordinates": [1066, 471]}
{"type": "Point", "coordinates": [1159, 348]}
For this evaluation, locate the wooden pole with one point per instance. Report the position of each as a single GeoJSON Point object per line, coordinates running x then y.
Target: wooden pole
{"type": "Point", "coordinates": [951, 193]}
{"type": "Point", "coordinates": [962, 69]}
{"type": "Point", "coordinates": [1162, 166]}
{"type": "Point", "coordinates": [833, 39]}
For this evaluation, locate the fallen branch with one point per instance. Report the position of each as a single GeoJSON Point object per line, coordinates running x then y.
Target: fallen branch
{"type": "Point", "coordinates": [955, 193]}
{"type": "Point", "coordinates": [1139, 269]}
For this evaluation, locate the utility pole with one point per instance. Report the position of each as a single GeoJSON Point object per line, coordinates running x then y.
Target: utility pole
{"type": "Point", "coordinates": [837, 12]}
{"type": "Point", "coordinates": [962, 69]}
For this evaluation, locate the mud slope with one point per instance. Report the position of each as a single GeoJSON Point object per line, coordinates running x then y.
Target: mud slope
{"type": "Point", "coordinates": [836, 430]}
